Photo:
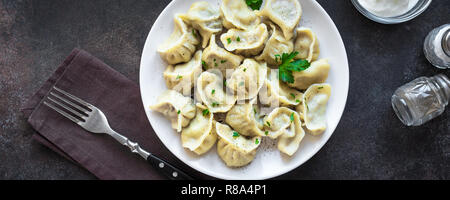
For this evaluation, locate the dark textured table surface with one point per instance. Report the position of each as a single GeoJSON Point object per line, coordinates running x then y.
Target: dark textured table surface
{"type": "Point", "coordinates": [369, 143]}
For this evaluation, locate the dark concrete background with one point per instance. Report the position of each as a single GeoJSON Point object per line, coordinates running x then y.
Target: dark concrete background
{"type": "Point", "coordinates": [369, 143]}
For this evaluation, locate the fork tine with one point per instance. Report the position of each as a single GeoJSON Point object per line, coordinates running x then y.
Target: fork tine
{"type": "Point", "coordinates": [84, 103]}
{"type": "Point", "coordinates": [63, 113]}
{"type": "Point", "coordinates": [83, 110]}
{"type": "Point", "coordinates": [78, 114]}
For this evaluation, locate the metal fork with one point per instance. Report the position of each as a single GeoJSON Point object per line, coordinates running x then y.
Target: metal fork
{"type": "Point", "coordinates": [93, 120]}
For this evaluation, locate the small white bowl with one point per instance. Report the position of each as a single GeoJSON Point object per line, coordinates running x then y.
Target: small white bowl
{"type": "Point", "coordinates": [421, 6]}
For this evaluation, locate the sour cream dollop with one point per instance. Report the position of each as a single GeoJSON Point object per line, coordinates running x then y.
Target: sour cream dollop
{"type": "Point", "coordinates": [388, 8]}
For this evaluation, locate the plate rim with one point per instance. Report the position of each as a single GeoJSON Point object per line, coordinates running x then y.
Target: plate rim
{"type": "Point", "coordinates": [277, 173]}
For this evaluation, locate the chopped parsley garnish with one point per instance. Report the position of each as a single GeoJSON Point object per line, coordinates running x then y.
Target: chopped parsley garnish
{"type": "Point", "coordinates": [235, 134]}
{"type": "Point", "coordinates": [229, 40]}
{"type": "Point", "coordinates": [225, 82]}
{"type": "Point", "coordinates": [298, 101]}
{"type": "Point", "coordinates": [266, 132]}
{"type": "Point", "coordinates": [213, 91]}
{"type": "Point", "coordinates": [215, 64]}
{"type": "Point", "coordinates": [321, 87]}
{"type": "Point", "coordinates": [256, 141]}
{"type": "Point", "coordinates": [223, 61]}
{"type": "Point", "coordinates": [193, 33]}
{"type": "Point", "coordinates": [179, 77]}
{"type": "Point", "coordinates": [179, 111]}
{"type": "Point", "coordinates": [204, 64]}
{"type": "Point", "coordinates": [238, 39]}
{"type": "Point", "coordinates": [214, 104]}
{"type": "Point", "coordinates": [205, 112]}
{"type": "Point", "coordinates": [292, 117]}
{"type": "Point", "coordinates": [254, 4]}
{"type": "Point", "coordinates": [245, 69]}
{"type": "Point", "coordinates": [254, 110]}
{"type": "Point", "coordinates": [277, 57]}
{"type": "Point", "coordinates": [292, 95]}
{"type": "Point", "coordinates": [288, 66]}
{"type": "Point", "coordinates": [268, 123]}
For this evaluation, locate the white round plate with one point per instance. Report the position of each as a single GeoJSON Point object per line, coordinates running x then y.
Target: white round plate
{"type": "Point", "coordinates": [269, 162]}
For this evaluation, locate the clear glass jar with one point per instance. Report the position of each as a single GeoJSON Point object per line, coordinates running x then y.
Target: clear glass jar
{"type": "Point", "coordinates": [415, 11]}
{"type": "Point", "coordinates": [437, 47]}
{"type": "Point", "coordinates": [422, 99]}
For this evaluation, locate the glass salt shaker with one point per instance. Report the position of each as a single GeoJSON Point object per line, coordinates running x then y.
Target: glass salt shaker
{"type": "Point", "coordinates": [437, 47]}
{"type": "Point", "coordinates": [422, 99]}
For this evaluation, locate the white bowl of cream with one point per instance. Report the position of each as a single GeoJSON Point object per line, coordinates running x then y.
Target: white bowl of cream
{"type": "Point", "coordinates": [391, 11]}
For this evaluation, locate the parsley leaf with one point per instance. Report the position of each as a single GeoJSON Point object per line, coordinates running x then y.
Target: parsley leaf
{"type": "Point", "coordinates": [292, 95]}
{"type": "Point", "coordinates": [256, 141]}
{"type": "Point", "coordinates": [213, 91]}
{"type": "Point", "coordinates": [235, 134]}
{"type": "Point", "coordinates": [179, 77]}
{"type": "Point", "coordinates": [266, 132]}
{"type": "Point", "coordinates": [223, 61]}
{"type": "Point", "coordinates": [254, 4]}
{"type": "Point", "coordinates": [238, 39]}
{"type": "Point", "coordinates": [179, 111]}
{"type": "Point", "coordinates": [292, 117]}
{"type": "Point", "coordinates": [214, 104]}
{"type": "Point", "coordinates": [268, 123]}
{"type": "Point", "coordinates": [229, 40]}
{"type": "Point", "coordinates": [205, 112]}
{"type": "Point", "coordinates": [288, 66]}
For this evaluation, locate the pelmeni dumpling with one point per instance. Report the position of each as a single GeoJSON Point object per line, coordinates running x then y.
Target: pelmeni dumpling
{"type": "Point", "coordinates": [285, 13]}
{"type": "Point", "coordinates": [176, 107]}
{"type": "Point", "coordinates": [215, 57]}
{"type": "Point", "coordinates": [205, 18]}
{"type": "Point", "coordinates": [181, 77]}
{"type": "Point", "coordinates": [248, 42]}
{"type": "Point", "coordinates": [236, 14]}
{"type": "Point", "coordinates": [246, 119]}
{"type": "Point", "coordinates": [315, 102]}
{"type": "Point", "coordinates": [211, 91]}
{"type": "Point", "coordinates": [247, 79]}
{"type": "Point", "coordinates": [233, 149]}
{"type": "Point", "coordinates": [180, 46]}
{"type": "Point", "coordinates": [276, 45]}
{"type": "Point", "coordinates": [274, 93]}
{"type": "Point", "coordinates": [316, 73]}
{"type": "Point", "coordinates": [306, 44]}
{"type": "Point", "coordinates": [288, 143]}
{"type": "Point", "coordinates": [200, 135]}
{"type": "Point", "coordinates": [278, 122]}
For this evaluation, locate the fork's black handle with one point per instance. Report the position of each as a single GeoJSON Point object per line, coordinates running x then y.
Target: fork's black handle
{"type": "Point", "coordinates": [167, 169]}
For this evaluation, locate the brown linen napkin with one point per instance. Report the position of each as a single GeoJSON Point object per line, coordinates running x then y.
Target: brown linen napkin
{"type": "Point", "coordinates": [119, 98]}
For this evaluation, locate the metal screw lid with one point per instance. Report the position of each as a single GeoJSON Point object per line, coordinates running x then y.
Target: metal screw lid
{"type": "Point", "coordinates": [446, 42]}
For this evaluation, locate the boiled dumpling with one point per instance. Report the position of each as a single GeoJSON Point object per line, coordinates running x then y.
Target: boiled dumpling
{"type": "Point", "coordinates": [276, 45]}
{"type": "Point", "coordinates": [205, 18]}
{"type": "Point", "coordinates": [246, 119]}
{"type": "Point", "coordinates": [289, 142]}
{"type": "Point", "coordinates": [306, 44]}
{"type": "Point", "coordinates": [274, 93]}
{"type": "Point", "coordinates": [247, 79]}
{"type": "Point", "coordinates": [212, 93]}
{"type": "Point", "coordinates": [176, 107]}
{"type": "Point", "coordinates": [236, 14]}
{"type": "Point", "coordinates": [316, 73]}
{"type": "Point", "coordinates": [248, 43]}
{"type": "Point", "coordinates": [200, 135]}
{"type": "Point", "coordinates": [315, 103]}
{"type": "Point", "coordinates": [285, 13]}
{"type": "Point", "coordinates": [181, 44]}
{"type": "Point", "coordinates": [278, 122]}
{"type": "Point", "coordinates": [233, 149]}
{"type": "Point", "coordinates": [215, 57]}
{"type": "Point", "coordinates": [181, 77]}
